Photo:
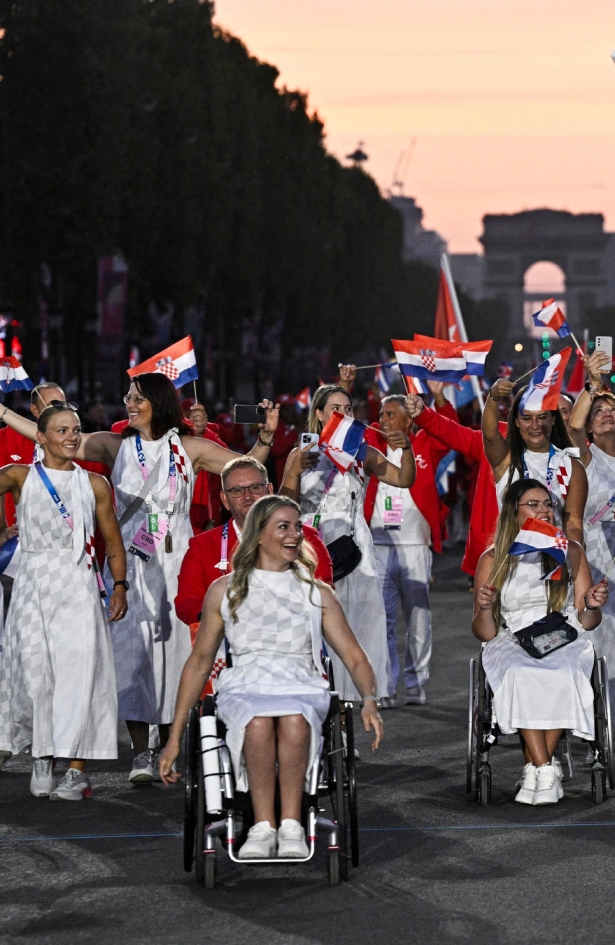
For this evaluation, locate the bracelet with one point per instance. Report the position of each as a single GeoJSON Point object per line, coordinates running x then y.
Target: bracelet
{"type": "Point", "coordinates": [495, 400]}
{"type": "Point", "coordinates": [262, 441]}
{"type": "Point", "coordinates": [372, 699]}
{"type": "Point", "coordinates": [4, 411]}
{"type": "Point", "coordinates": [592, 391]}
{"type": "Point", "coordinates": [587, 607]}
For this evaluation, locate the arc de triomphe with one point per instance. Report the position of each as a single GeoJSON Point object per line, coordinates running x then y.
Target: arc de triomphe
{"type": "Point", "coordinates": [575, 242]}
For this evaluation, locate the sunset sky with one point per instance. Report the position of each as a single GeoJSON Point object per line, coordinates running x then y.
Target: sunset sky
{"type": "Point", "coordinates": [511, 102]}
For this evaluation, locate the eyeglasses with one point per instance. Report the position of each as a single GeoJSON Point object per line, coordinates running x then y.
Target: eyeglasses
{"type": "Point", "coordinates": [255, 488]}
{"type": "Point", "coordinates": [135, 398]}
{"type": "Point", "coordinates": [62, 405]}
{"type": "Point", "coordinates": [536, 503]}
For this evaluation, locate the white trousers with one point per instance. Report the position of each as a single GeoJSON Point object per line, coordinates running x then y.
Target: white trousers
{"type": "Point", "coordinates": [404, 572]}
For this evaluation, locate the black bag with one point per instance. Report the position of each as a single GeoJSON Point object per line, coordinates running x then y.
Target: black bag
{"type": "Point", "coordinates": [544, 636]}
{"type": "Point", "coordinates": [345, 555]}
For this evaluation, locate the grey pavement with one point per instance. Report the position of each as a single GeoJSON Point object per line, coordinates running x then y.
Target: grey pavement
{"type": "Point", "coordinates": [435, 867]}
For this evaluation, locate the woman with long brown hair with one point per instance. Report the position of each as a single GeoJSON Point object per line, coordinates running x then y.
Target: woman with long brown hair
{"type": "Point", "coordinates": [275, 698]}
{"type": "Point", "coordinates": [540, 698]}
{"type": "Point", "coordinates": [154, 462]}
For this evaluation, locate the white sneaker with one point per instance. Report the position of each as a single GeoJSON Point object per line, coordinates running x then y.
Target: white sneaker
{"type": "Point", "coordinates": [42, 781]}
{"type": "Point", "coordinates": [291, 840]}
{"type": "Point", "coordinates": [527, 785]}
{"type": "Point", "coordinates": [74, 786]}
{"type": "Point", "coordinates": [5, 755]}
{"type": "Point", "coordinates": [548, 786]}
{"type": "Point", "coordinates": [142, 768]}
{"type": "Point", "coordinates": [388, 702]}
{"type": "Point", "coordinates": [559, 771]}
{"type": "Point", "coordinates": [415, 695]}
{"type": "Point", "coordinates": [261, 843]}
{"type": "Point", "coordinates": [156, 766]}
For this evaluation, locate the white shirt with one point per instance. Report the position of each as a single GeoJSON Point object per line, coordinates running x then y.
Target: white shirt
{"type": "Point", "coordinates": [414, 529]}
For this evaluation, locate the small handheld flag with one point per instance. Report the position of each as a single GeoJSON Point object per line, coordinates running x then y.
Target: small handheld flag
{"type": "Point", "coordinates": [544, 388]}
{"type": "Point", "coordinates": [536, 535]}
{"type": "Point", "coordinates": [13, 376]}
{"type": "Point", "coordinates": [475, 353]}
{"type": "Point", "coordinates": [177, 362]}
{"type": "Point", "coordinates": [342, 439]}
{"type": "Point", "coordinates": [384, 378]}
{"type": "Point", "coordinates": [304, 399]}
{"type": "Point", "coordinates": [551, 316]}
{"type": "Point", "coordinates": [430, 359]}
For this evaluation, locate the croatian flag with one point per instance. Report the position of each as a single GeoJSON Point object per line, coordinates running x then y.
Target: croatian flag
{"type": "Point", "coordinates": [551, 316]}
{"type": "Point", "coordinates": [430, 359]}
{"type": "Point", "coordinates": [505, 370]}
{"type": "Point", "coordinates": [342, 439]}
{"type": "Point", "coordinates": [13, 376]}
{"type": "Point", "coordinates": [536, 535]}
{"type": "Point", "coordinates": [475, 353]}
{"type": "Point", "coordinates": [177, 362]}
{"type": "Point", "coordinates": [304, 399]}
{"type": "Point", "coordinates": [544, 388]}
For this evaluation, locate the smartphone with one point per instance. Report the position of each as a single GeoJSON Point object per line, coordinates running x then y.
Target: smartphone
{"type": "Point", "coordinates": [248, 413]}
{"type": "Point", "coordinates": [312, 438]}
{"type": "Point", "coordinates": [605, 343]}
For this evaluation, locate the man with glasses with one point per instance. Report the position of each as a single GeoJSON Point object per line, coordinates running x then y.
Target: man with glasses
{"type": "Point", "coordinates": [244, 482]}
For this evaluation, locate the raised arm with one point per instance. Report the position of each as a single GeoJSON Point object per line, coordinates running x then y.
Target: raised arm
{"type": "Point", "coordinates": [494, 444]}
{"type": "Point", "coordinates": [94, 447]}
{"type": "Point", "coordinates": [574, 507]}
{"type": "Point", "coordinates": [583, 404]}
{"type": "Point", "coordinates": [339, 636]}
{"type": "Point", "coordinates": [194, 675]}
{"type": "Point", "coordinates": [209, 456]}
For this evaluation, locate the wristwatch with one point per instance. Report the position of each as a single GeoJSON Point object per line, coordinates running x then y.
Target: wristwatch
{"type": "Point", "coordinates": [592, 391]}
{"type": "Point", "coordinates": [372, 699]}
{"type": "Point", "coordinates": [122, 584]}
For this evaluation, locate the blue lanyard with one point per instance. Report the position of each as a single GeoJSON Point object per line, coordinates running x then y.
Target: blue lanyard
{"type": "Point", "coordinates": [51, 489]}
{"type": "Point", "coordinates": [172, 472]}
{"type": "Point", "coordinates": [526, 474]}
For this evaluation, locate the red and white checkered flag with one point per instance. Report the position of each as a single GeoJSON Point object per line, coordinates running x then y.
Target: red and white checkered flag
{"type": "Point", "coordinates": [180, 462]}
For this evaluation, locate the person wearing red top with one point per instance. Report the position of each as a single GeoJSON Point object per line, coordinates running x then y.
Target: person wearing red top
{"type": "Point", "coordinates": [406, 524]}
{"type": "Point", "coordinates": [285, 438]}
{"type": "Point", "coordinates": [205, 511]}
{"type": "Point", "coordinates": [484, 515]}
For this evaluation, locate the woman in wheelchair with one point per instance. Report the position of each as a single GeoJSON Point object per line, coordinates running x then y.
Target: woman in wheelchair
{"type": "Point", "coordinates": [540, 698]}
{"type": "Point", "coordinates": [274, 699]}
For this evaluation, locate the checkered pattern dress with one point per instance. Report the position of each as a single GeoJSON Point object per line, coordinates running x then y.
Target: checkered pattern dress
{"type": "Point", "coordinates": [359, 593]}
{"type": "Point", "coordinates": [600, 546]}
{"type": "Point", "coordinates": [57, 684]}
{"type": "Point", "coordinates": [151, 644]}
{"type": "Point", "coordinates": [551, 693]}
{"type": "Point", "coordinates": [537, 465]}
{"type": "Point", "coordinates": [276, 670]}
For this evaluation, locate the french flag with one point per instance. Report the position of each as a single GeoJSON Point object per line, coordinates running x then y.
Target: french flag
{"type": "Point", "coordinates": [304, 399]}
{"type": "Point", "coordinates": [536, 535]}
{"type": "Point", "coordinates": [342, 439]}
{"type": "Point", "coordinates": [551, 316]}
{"type": "Point", "coordinates": [177, 362]}
{"type": "Point", "coordinates": [430, 359]}
{"type": "Point", "coordinates": [544, 388]}
{"type": "Point", "coordinates": [13, 376]}
{"type": "Point", "coordinates": [475, 353]}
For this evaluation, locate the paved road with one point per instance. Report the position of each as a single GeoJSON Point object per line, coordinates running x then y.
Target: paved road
{"type": "Point", "coordinates": [435, 869]}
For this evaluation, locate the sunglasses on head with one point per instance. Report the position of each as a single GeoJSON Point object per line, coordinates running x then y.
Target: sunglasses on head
{"type": "Point", "coordinates": [63, 405]}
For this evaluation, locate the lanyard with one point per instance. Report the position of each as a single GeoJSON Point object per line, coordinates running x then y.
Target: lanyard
{"type": "Point", "coordinates": [223, 562]}
{"type": "Point", "coordinates": [549, 478]}
{"type": "Point", "coordinates": [53, 492]}
{"type": "Point", "coordinates": [323, 498]}
{"type": "Point", "coordinates": [605, 508]}
{"type": "Point", "coordinates": [172, 474]}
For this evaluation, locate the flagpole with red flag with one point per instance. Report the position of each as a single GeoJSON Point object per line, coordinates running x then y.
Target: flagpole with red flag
{"type": "Point", "coordinates": [449, 320]}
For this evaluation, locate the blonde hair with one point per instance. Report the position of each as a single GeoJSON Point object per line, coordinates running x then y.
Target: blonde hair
{"type": "Point", "coordinates": [319, 402]}
{"type": "Point", "coordinates": [504, 565]}
{"type": "Point", "coordinates": [242, 462]}
{"type": "Point", "coordinates": [246, 553]}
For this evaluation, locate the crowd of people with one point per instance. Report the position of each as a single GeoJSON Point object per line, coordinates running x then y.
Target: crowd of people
{"type": "Point", "coordinates": [151, 550]}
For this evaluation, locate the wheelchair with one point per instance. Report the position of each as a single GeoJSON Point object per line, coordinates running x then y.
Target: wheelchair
{"type": "Point", "coordinates": [484, 734]}
{"type": "Point", "coordinates": [215, 809]}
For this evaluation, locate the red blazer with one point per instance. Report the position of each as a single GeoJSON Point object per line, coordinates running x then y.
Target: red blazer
{"type": "Point", "coordinates": [199, 571]}
{"type": "Point", "coordinates": [427, 454]}
{"type": "Point", "coordinates": [484, 515]}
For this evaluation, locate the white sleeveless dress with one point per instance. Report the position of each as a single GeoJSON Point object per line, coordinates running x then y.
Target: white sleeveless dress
{"type": "Point", "coordinates": [360, 593]}
{"type": "Point", "coordinates": [600, 547]}
{"type": "Point", "coordinates": [551, 693]}
{"type": "Point", "coordinates": [275, 647]}
{"type": "Point", "coordinates": [151, 644]}
{"type": "Point", "coordinates": [538, 466]}
{"type": "Point", "coordinates": [57, 683]}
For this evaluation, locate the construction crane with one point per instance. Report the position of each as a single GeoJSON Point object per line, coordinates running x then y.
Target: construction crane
{"type": "Point", "coordinates": [401, 169]}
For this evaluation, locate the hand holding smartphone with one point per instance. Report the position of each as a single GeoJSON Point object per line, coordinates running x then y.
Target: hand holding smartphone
{"type": "Point", "coordinates": [604, 344]}
{"type": "Point", "coordinates": [249, 413]}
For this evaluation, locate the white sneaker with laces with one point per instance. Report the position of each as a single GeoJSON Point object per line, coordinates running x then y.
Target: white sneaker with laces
{"type": "Point", "coordinates": [527, 785]}
{"type": "Point", "coordinates": [142, 768]}
{"type": "Point", "coordinates": [261, 843]}
{"type": "Point", "coordinates": [548, 786]}
{"type": "Point", "coordinates": [42, 781]}
{"type": "Point", "coordinates": [291, 840]}
{"type": "Point", "coordinates": [74, 786]}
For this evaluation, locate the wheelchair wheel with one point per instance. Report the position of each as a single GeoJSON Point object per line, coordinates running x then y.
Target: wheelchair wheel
{"type": "Point", "coordinates": [472, 725]}
{"type": "Point", "coordinates": [609, 762]}
{"type": "Point", "coordinates": [199, 856]}
{"type": "Point", "coordinates": [190, 802]}
{"type": "Point", "coordinates": [338, 794]}
{"type": "Point", "coordinates": [351, 783]}
{"type": "Point", "coordinates": [483, 785]}
{"type": "Point", "coordinates": [210, 870]}
{"type": "Point", "coordinates": [598, 785]}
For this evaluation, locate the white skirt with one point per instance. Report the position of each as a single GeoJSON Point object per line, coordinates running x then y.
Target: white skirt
{"type": "Point", "coordinates": [236, 711]}
{"type": "Point", "coordinates": [551, 693]}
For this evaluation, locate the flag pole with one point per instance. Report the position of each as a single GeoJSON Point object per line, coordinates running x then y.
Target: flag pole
{"type": "Point", "coordinates": [527, 374]}
{"type": "Point", "coordinates": [461, 324]}
{"type": "Point", "coordinates": [579, 348]}
{"type": "Point", "coordinates": [196, 399]}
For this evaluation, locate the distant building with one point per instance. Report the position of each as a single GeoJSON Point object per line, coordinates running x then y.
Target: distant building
{"type": "Point", "coordinates": [418, 243]}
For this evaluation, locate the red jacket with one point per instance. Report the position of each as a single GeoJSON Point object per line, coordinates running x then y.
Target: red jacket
{"type": "Point", "coordinates": [285, 439]}
{"type": "Point", "coordinates": [484, 515]}
{"type": "Point", "coordinates": [199, 571]}
{"type": "Point", "coordinates": [427, 454]}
